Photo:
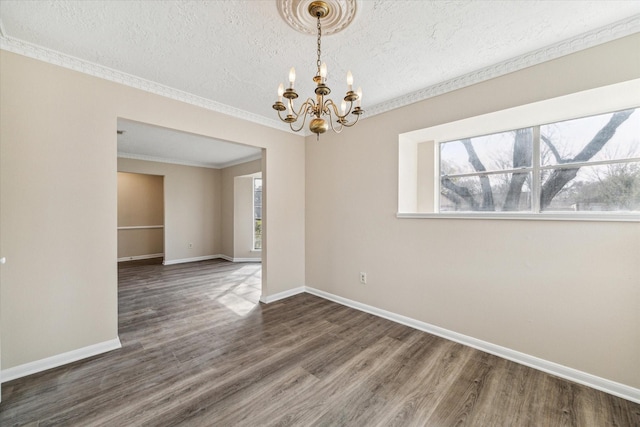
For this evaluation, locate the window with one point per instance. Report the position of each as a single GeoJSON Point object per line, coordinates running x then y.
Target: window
{"type": "Point", "coordinates": [586, 164]}
{"type": "Point", "coordinates": [257, 213]}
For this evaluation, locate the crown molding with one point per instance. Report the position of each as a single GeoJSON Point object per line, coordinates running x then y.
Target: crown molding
{"type": "Point", "coordinates": [586, 40]}
{"type": "Point", "coordinates": [189, 163]}
{"type": "Point", "coordinates": [76, 64]}
{"type": "Point", "coordinates": [240, 161]}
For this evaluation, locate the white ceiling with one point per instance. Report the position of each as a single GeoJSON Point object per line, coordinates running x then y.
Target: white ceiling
{"type": "Point", "coordinates": [231, 55]}
{"type": "Point", "coordinates": [147, 142]}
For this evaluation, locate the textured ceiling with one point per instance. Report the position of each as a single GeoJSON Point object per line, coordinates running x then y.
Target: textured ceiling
{"type": "Point", "coordinates": [235, 53]}
{"type": "Point", "coordinates": [147, 142]}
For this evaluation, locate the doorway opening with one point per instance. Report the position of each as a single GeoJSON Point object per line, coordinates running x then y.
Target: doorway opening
{"type": "Point", "coordinates": [203, 231]}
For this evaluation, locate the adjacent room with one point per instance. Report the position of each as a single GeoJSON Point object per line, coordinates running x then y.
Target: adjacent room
{"type": "Point", "coordinates": [339, 212]}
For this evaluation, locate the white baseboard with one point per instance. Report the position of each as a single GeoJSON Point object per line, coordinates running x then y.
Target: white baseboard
{"type": "Point", "coordinates": [281, 295]}
{"type": "Point", "coordinates": [58, 360]}
{"type": "Point", "coordinates": [208, 257]}
{"type": "Point", "coordinates": [598, 383]}
{"type": "Point", "coordinates": [137, 257]}
{"type": "Point", "coordinates": [228, 258]}
{"type": "Point", "coordinates": [194, 259]}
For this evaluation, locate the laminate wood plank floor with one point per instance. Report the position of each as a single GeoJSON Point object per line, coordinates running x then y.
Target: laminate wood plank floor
{"type": "Point", "coordinates": [198, 349]}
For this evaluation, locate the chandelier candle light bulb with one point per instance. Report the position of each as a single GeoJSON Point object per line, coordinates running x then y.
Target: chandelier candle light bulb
{"type": "Point", "coordinates": [324, 111]}
{"type": "Point", "coordinates": [292, 77]}
{"type": "Point", "coordinates": [280, 92]}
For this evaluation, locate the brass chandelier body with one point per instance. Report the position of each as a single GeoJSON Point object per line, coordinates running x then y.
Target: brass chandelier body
{"type": "Point", "coordinates": [324, 111]}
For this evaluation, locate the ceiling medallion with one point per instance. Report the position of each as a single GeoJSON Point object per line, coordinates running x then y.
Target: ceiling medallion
{"type": "Point", "coordinates": [296, 14]}
{"type": "Point", "coordinates": [323, 110]}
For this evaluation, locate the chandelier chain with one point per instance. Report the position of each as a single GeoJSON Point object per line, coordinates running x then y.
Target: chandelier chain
{"type": "Point", "coordinates": [319, 48]}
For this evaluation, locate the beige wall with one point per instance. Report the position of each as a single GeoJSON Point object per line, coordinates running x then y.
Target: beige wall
{"type": "Point", "coordinates": [140, 203]}
{"type": "Point", "coordinates": [193, 198]}
{"type": "Point", "coordinates": [140, 199]}
{"type": "Point", "coordinates": [140, 243]}
{"type": "Point", "coordinates": [228, 202]}
{"type": "Point", "coordinates": [567, 292]}
{"type": "Point", "coordinates": [58, 202]}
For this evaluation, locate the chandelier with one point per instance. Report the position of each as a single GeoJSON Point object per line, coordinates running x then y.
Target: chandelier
{"type": "Point", "coordinates": [324, 111]}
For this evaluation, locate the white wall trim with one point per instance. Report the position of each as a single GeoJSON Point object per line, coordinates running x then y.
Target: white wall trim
{"type": "Point", "coordinates": [246, 259]}
{"type": "Point", "coordinates": [194, 259]}
{"type": "Point", "coordinates": [267, 299]}
{"type": "Point", "coordinates": [51, 56]}
{"type": "Point", "coordinates": [147, 158]}
{"type": "Point", "coordinates": [140, 227]}
{"type": "Point", "coordinates": [208, 257]}
{"type": "Point", "coordinates": [598, 383]}
{"type": "Point", "coordinates": [236, 162]}
{"type": "Point", "coordinates": [59, 360]}
{"type": "Point", "coordinates": [583, 41]}
{"type": "Point", "coordinates": [593, 38]}
{"type": "Point", "coordinates": [528, 216]}
{"type": "Point", "coordinates": [137, 257]}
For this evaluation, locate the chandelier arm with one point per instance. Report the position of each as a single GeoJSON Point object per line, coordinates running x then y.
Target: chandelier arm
{"type": "Point", "coordinates": [308, 105]}
{"type": "Point", "coordinates": [280, 116]}
{"type": "Point", "coordinates": [338, 130]}
{"type": "Point", "coordinates": [352, 123]}
{"type": "Point", "coordinates": [292, 109]}
{"type": "Point", "coordinates": [304, 120]}
{"type": "Point", "coordinates": [329, 103]}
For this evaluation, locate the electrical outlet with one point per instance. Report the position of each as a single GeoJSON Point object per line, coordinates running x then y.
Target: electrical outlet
{"type": "Point", "coordinates": [190, 245]}
{"type": "Point", "coordinates": [363, 277]}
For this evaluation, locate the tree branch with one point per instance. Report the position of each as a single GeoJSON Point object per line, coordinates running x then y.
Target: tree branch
{"type": "Point", "coordinates": [485, 184]}
{"type": "Point", "coordinates": [603, 136]}
{"type": "Point", "coordinates": [522, 155]}
{"type": "Point", "coordinates": [462, 192]}
{"type": "Point", "coordinates": [560, 177]}
{"type": "Point", "coordinates": [553, 149]}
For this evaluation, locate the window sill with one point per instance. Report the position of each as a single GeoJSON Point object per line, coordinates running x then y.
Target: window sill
{"type": "Point", "coordinates": [554, 216]}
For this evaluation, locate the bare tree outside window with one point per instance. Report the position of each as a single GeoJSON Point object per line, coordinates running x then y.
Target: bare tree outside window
{"type": "Point", "coordinates": [586, 164]}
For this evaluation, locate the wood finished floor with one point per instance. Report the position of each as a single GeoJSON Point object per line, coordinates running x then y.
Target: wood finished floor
{"type": "Point", "coordinates": [199, 350]}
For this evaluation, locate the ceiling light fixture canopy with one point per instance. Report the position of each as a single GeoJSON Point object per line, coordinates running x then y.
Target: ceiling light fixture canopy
{"type": "Point", "coordinates": [324, 111]}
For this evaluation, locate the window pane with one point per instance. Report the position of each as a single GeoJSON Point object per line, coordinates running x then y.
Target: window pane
{"type": "Point", "coordinates": [257, 213]}
{"type": "Point", "coordinates": [604, 137]}
{"type": "Point", "coordinates": [499, 151]}
{"type": "Point", "coordinates": [614, 187]}
{"type": "Point", "coordinates": [499, 192]}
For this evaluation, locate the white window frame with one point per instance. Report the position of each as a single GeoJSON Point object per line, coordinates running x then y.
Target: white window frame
{"type": "Point", "coordinates": [592, 102]}
{"type": "Point", "coordinates": [253, 215]}
{"type": "Point", "coordinates": [535, 168]}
